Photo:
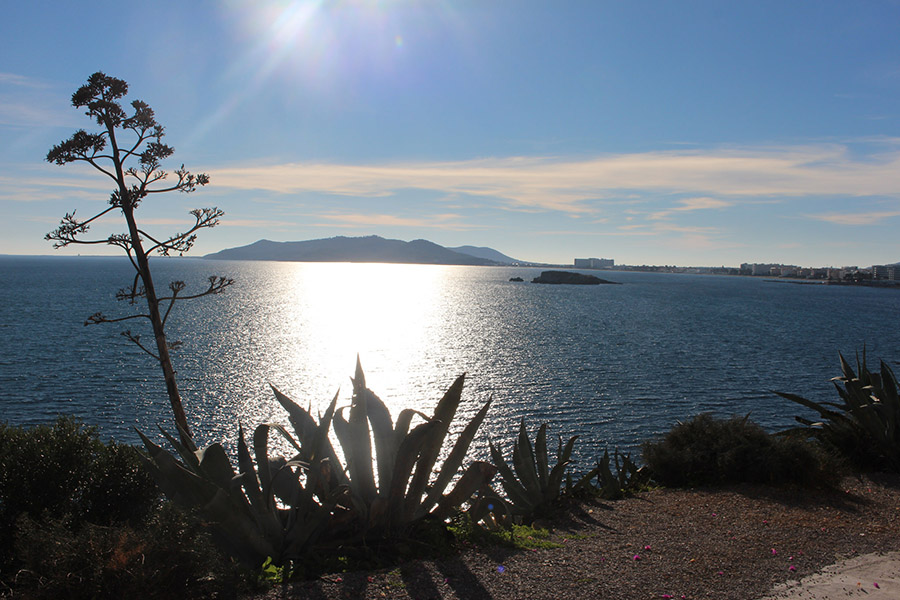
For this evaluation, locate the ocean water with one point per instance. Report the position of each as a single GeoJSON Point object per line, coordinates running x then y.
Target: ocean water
{"type": "Point", "coordinates": [616, 365]}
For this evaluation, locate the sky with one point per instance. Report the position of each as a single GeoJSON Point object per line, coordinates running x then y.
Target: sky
{"type": "Point", "coordinates": [700, 133]}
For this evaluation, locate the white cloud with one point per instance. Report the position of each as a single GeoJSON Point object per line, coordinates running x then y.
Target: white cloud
{"type": "Point", "coordinates": [868, 218]}
{"type": "Point", "coordinates": [581, 186]}
{"type": "Point", "coordinates": [690, 204]}
{"type": "Point", "coordinates": [440, 221]}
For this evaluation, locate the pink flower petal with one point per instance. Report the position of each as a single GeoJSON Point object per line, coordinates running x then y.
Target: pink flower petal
{"type": "Point", "coordinates": [636, 557]}
{"type": "Point", "coordinates": [792, 568]}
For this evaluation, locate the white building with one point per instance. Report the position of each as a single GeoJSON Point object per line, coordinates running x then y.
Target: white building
{"type": "Point", "coordinates": [594, 263]}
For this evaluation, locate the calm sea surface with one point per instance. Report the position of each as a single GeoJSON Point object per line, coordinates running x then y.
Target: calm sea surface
{"type": "Point", "coordinates": [614, 364]}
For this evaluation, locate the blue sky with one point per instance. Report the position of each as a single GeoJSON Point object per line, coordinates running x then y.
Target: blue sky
{"type": "Point", "coordinates": [690, 133]}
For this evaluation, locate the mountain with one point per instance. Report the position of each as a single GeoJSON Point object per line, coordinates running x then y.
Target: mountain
{"type": "Point", "coordinates": [370, 249]}
{"type": "Point", "coordinates": [486, 253]}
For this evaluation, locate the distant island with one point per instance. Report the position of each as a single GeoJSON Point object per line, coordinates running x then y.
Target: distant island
{"type": "Point", "coordinates": [569, 278]}
{"type": "Point", "coordinates": [369, 249]}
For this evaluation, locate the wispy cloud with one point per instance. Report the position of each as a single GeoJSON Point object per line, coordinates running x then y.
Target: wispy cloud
{"type": "Point", "coordinates": [21, 81]}
{"type": "Point", "coordinates": [440, 221]}
{"type": "Point", "coordinates": [26, 102]}
{"type": "Point", "coordinates": [691, 204]}
{"type": "Point", "coordinates": [868, 218]}
{"type": "Point", "coordinates": [580, 186]}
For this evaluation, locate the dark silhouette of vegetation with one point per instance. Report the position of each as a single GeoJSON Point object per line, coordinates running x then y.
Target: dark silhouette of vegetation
{"type": "Point", "coordinates": [865, 425]}
{"type": "Point", "coordinates": [80, 518]}
{"type": "Point", "coordinates": [708, 451]}
{"type": "Point", "coordinates": [280, 508]}
{"type": "Point", "coordinates": [129, 150]}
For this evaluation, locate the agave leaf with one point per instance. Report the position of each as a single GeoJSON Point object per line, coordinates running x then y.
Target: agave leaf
{"type": "Point", "coordinates": [443, 414]}
{"type": "Point", "coordinates": [542, 456]}
{"type": "Point", "coordinates": [404, 419]}
{"type": "Point", "coordinates": [453, 461]}
{"type": "Point", "coordinates": [819, 408]}
{"type": "Point", "coordinates": [248, 474]}
{"type": "Point", "coordinates": [477, 475]}
{"type": "Point", "coordinates": [305, 426]}
{"type": "Point", "coordinates": [303, 423]}
{"type": "Point", "coordinates": [847, 370]}
{"type": "Point", "coordinates": [523, 461]}
{"type": "Point", "coordinates": [556, 475]}
{"type": "Point", "coordinates": [402, 502]}
{"type": "Point", "coordinates": [239, 531]}
{"type": "Point", "coordinates": [178, 483]}
{"type": "Point", "coordinates": [585, 480]}
{"type": "Point", "coordinates": [319, 450]}
{"type": "Point", "coordinates": [214, 464]}
{"type": "Point", "coordinates": [261, 449]}
{"type": "Point", "coordinates": [518, 495]}
{"type": "Point", "coordinates": [382, 433]}
{"type": "Point", "coordinates": [358, 450]}
{"type": "Point", "coordinates": [286, 483]}
{"type": "Point", "coordinates": [188, 456]}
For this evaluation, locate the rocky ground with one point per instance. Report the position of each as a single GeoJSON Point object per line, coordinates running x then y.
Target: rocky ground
{"type": "Point", "coordinates": [736, 543]}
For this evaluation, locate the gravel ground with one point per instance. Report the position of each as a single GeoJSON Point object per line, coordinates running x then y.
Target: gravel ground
{"type": "Point", "coordinates": [736, 543]}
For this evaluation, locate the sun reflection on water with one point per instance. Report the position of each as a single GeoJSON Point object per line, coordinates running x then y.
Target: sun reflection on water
{"type": "Point", "coordinates": [384, 313]}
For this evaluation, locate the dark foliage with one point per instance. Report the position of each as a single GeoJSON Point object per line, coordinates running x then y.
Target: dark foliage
{"type": "Point", "coordinates": [864, 425]}
{"type": "Point", "coordinates": [66, 472]}
{"type": "Point", "coordinates": [83, 519]}
{"type": "Point", "coordinates": [708, 451]}
{"type": "Point", "coordinates": [170, 556]}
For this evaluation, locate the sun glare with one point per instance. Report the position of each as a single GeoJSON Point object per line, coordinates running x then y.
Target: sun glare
{"type": "Point", "coordinates": [384, 313]}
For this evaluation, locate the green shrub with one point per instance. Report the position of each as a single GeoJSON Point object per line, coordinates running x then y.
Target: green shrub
{"type": "Point", "coordinates": [708, 451]}
{"type": "Point", "coordinates": [84, 519]}
{"type": "Point", "coordinates": [63, 472]}
{"type": "Point", "coordinates": [171, 556]}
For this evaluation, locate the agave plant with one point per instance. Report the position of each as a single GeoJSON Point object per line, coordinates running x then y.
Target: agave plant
{"type": "Point", "coordinates": [612, 484]}
{"type": "Point", "coordinates": [531, 484]}
{"type": "Point", "coordinates": [404, 459]}
{"type": "Point", "coordinates": [865, 424]}
{"type": "Point", "coordinates": [277, 508]}
{"type": "Point", "coordinates": [242, 507]}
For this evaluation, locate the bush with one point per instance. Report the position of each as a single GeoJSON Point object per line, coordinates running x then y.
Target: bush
{"type": "Point", "coordinates": [171, 556]}
{"type": "Point", "coordinates": [65, 473]}
{"type": "Point", "coordinates": [83, 519]}
{"type": "Point", "coordinates": [708, 451]}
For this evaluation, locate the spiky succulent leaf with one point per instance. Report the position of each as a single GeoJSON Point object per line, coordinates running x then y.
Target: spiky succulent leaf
{"type": "Point", "coordinates": [443, 414]}
{"type": "Point", "coordinates": [518, 495]}
{"type": "Point", "coordinates": [476, 476]}
{"type": "Point", "coordinates": [542, 457]}
{"type": "Point", "coordinates": [306, 427]}
{"type": "Point", "coordinates": [454, 461]}
{"type": "Point", "coordinates": [554, 484]}
{"type": "Point", "coordinates": [249, 479]}
{"type": "Point", "coordinates": [523, 461]}
{"type": "Point", "coordinates": [402, 502]}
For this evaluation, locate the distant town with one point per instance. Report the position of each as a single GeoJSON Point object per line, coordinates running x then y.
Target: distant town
{"type": "Point", "coordinates": [887, 275]}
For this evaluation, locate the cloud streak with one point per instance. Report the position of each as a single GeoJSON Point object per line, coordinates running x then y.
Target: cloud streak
{"type": "Point", "coordinates": [441, 221]}
{"type": "Point", "coordinates": [869, 218]}
{"type": "Point", "coordinates": [580, 185]}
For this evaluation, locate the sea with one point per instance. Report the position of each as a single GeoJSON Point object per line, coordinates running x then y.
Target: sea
{"type": "Point", "coordinates": [616, 365]}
